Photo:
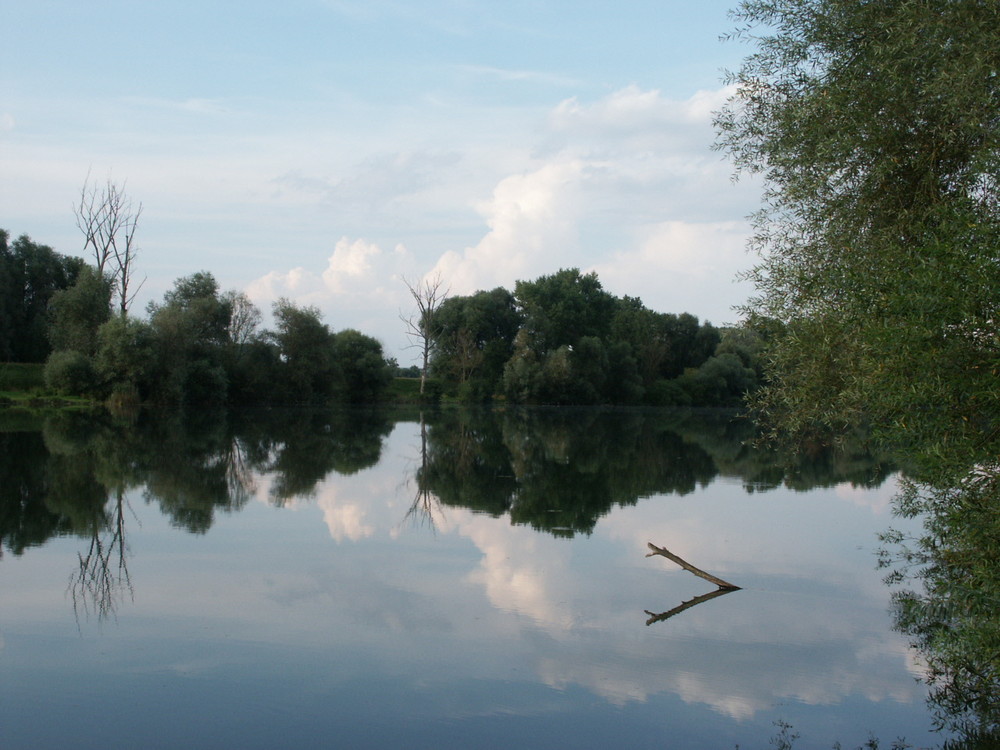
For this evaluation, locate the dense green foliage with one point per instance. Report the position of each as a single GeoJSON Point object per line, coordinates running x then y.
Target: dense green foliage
{"type": "Point", "coordinates": [876, 127]}
{"type": "Point", "coordinates": [30, 275]}
{"type": "Point", "coordinates": [21, 376]}
{"type": "Point", "coordinates": [197, 347]}
{"type": "Point", "coordinates": [562, 339]}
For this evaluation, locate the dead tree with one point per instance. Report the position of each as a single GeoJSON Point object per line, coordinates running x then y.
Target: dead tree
{"type": "Point", "coordinates": [109, 221]}
{"type": "Point", "coordinates": [420, 326]}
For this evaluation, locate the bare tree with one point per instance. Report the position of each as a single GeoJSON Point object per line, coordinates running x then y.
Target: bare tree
{"type": "Point", "coordinates": [420, 327]}
{"type": "Point", "coordinates": [108, 220]}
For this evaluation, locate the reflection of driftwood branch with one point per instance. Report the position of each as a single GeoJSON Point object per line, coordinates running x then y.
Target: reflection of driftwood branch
{"type": "Point", "coordinates": [103, 576]}
{"type": "Point", "coordinates": [654, 617]}
{"type": "Point", "coordinates": [691, 568]}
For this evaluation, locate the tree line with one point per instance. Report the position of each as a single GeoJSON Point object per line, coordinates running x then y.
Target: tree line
{"type": "Point", "coordinates": [563, 339]}
{"type": "Point", "coordinates": [560, 339]}
{"type": "Point", "coordinates": [198, 345]}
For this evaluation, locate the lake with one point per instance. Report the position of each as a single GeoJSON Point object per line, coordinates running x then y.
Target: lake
{"type": "Point", "coordinates": [466, 579]}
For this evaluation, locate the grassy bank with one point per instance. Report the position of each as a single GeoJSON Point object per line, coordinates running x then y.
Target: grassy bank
{"type": "Point", "coordinates": [21, 378]}
{"type": "Point", "coordinates": [23, 385]}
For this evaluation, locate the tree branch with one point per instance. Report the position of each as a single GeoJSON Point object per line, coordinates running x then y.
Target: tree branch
{"type": "Point", "coordinates": [691, 568]}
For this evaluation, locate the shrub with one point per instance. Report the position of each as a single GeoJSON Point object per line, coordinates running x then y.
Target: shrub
{"type": "Point", "coordinates": [70, 372]}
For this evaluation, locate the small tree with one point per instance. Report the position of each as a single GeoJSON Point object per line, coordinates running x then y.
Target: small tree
{"type": "Point", "coordinates": [76, 313]}
{"type": "Point", "coordinates": [306, 349]}
{"type": "Point", "coordinates": [420, 326]}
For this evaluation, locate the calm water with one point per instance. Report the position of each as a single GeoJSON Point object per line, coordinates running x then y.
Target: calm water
{"type": "Point", "coordinates": [469, 581]}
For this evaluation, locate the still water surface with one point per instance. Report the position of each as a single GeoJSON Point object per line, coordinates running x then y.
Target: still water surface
{"type": "Point", "coordinates": [468, 580]}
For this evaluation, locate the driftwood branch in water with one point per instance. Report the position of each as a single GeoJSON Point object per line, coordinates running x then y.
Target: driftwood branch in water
{"type": "Point", "coordinates": [653, 617]}
{"type": "Point", "coordinates": [725, 585]}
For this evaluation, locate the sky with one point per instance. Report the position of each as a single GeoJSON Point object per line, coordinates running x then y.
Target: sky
{"type": "Point", "coordinates": [327, 150]}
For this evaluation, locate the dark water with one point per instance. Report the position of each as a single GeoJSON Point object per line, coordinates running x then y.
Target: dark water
{"type": "Point", "coordinates": [466, 580]}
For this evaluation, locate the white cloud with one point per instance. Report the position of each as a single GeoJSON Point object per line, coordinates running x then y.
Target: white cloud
{"type": "Point", "coordinates": [678, 266]}
{"type": "Point", "coordinates": [532, 225]}
{"type": "Point", "coordinates": [360, 287]}
{"type": "Point", "coordinates": [350, 263]}
{"type": "Point", "coordinates": [624, 186]}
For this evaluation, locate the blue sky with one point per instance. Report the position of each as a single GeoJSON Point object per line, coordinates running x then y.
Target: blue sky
{"type": "Point", "coordinates": [322, 150]}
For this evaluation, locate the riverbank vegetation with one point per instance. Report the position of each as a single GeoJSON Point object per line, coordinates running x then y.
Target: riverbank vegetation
{"type": "Point", "coordinates": [876, 128]}
{"type": "Point", "coordinates": [560, 339]}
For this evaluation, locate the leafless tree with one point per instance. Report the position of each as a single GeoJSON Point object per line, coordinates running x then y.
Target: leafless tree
{"type": "Point", "coordinates": [108, 220]}
{"type": "Point", "coordinates": [428, 295]}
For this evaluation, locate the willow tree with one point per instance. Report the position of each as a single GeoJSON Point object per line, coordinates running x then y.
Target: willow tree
{"type": "Point", "coordinates": [875, 126]}
{"type": "Point", "coordinates": [876, 129]}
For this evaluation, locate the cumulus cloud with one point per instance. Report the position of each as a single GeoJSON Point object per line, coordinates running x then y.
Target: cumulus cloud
{"type": "Point", "coordinates": [532, 225]}
{"type": "Point", "coordinates": [351, 262]}
{"type": "Point", "coordinates": [361, 286]}
{"type": "Point", "coordinates": [678, 266]}
{"type": "Point", "coordinates": [625, 186]}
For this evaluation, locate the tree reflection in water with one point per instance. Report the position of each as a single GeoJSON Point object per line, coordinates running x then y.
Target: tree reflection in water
{"type": "Point", "coordinates": [557, 471]}
{"type": "Point", "coordinates": [953, 617]}
{"type": "Point", "coordinates": [102, 580]}
{"type": "Point", "coordinates": [425, 504]}
{"type": "Point", "coordinates": [561, 470]}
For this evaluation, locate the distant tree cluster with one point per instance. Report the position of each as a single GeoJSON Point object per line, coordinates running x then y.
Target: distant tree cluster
{"type": "Point", "coordinates": [197, 346]}
{"type": "Point", "coordinates": [202, 346]}
{"type": "Point", "coordinates": [562, 339]}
